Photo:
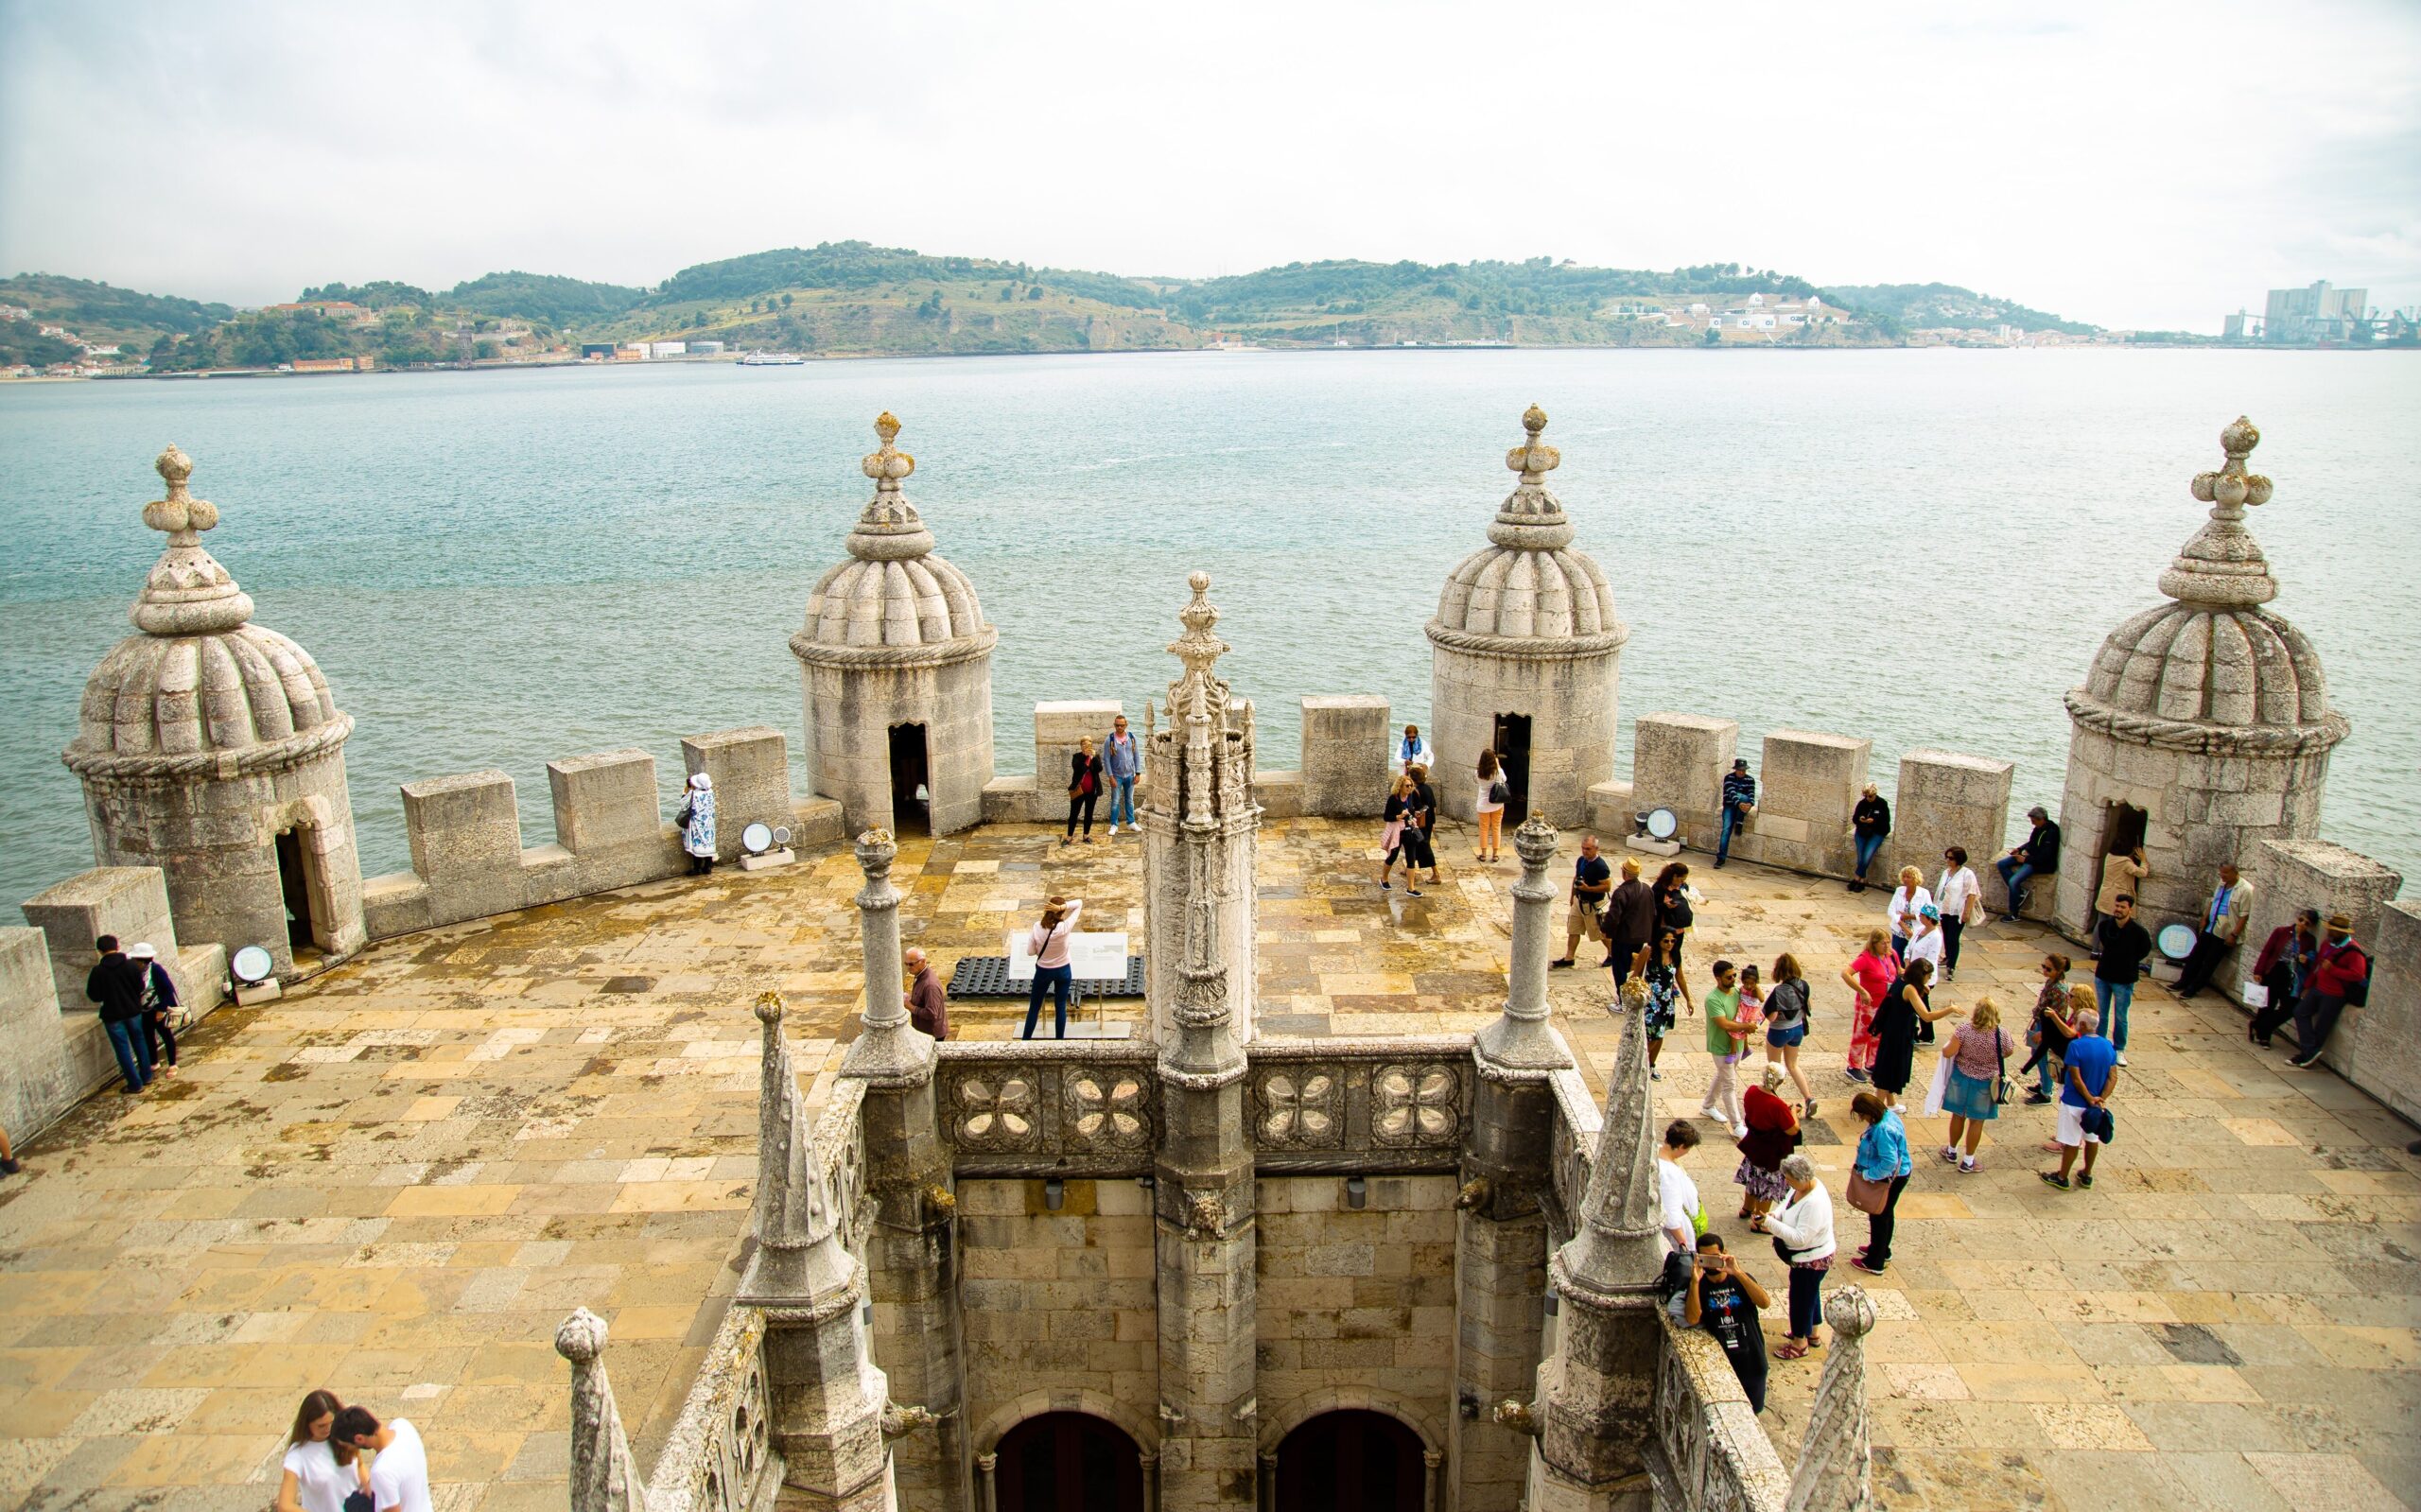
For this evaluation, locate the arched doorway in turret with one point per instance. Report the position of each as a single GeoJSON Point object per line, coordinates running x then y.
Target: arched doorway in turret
{"type": "Point", "coordinates": [1364, 1460]}
{"type": "Point", "coordinates": [1068, 1462]}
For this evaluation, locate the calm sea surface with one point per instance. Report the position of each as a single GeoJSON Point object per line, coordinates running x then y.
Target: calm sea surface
{"type": "Point", "coordinates": [1923, 547]}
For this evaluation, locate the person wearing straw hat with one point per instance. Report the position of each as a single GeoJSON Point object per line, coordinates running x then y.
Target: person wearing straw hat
{"type": "Point", "coordinates": [2341, 973]}
{"type": "Point", "coordinates": [158, 1021]}
{"type": "Point", "coordinates": [697, 822]}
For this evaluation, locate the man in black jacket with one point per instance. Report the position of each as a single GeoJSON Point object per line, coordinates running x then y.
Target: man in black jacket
{"type": "Point", "coordinates": [1872, 823]}
{"type": "Point", "coordinates": [1631, 921]}
{"type": "Point", "coordinates": [2038, 856]}
{"type": "Point", "coordinates": [116, 983]}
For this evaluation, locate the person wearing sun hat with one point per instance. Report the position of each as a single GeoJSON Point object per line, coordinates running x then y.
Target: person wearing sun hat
{"type": "Point", "coordinates": [697, 822]}
{"type": "Point", "coordinates": [1925, 943]}
{"type": "Point", "coordinates": [2341, 973]}
{"type": "Point", "coordinates": [158, 1022]}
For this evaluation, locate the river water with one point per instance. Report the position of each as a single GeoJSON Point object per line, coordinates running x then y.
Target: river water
{"type": "Point", "coordinates": [1919, 546]}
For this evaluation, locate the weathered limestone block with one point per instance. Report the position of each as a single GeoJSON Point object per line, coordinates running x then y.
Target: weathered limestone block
{"type": "Point", "coordinates": [1013, 800]}
{"type": "Point", "coordinates": [37, 1082]}
{"type": "Point", "coordinates": [609, 817]}
{"type": "Point", "coordinates": [2382, 1042]}
{"type": "Point", "coordinates": [1345, 756]}
{"type": "Point", "coordinates": [1807, 785]}
{"type": "Point", "coordinates": [1281, 794]}
{"type": "Point", "coordinates": [1057, 726]}
{"type": "Point", "coordinates": [816, 824]}
{"type": "Point", "coordinates": [1946, 798]}
{"type": "Point", "coordinates": [750, 768]}
{"type": "Point", "coordinates": [465, 835]}
{"type": "Point", "coordinates": [1678, 762]}
{"type": "Point", "coordinates": [2289, 876]}
{"type": "Point", "coordinates": [131, 902]}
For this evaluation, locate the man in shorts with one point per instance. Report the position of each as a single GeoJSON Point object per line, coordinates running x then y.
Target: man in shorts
{"type": "Point", "coordinates": [2086, 1086]}
{"type": "Point", "coordinates": [1591, 880]}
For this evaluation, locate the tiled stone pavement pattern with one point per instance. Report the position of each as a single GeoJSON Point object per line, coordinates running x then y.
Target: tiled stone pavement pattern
{"type": "Point", "coordinates": [395, 1181]}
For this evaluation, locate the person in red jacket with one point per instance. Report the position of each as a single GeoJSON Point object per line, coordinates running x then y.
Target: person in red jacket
{"type": "Point", "coordinates": [2339, 974]}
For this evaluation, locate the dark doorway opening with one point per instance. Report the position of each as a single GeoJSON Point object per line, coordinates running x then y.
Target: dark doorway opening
{"type": "Point", "coordinates": [1512, 746]}
{"type": "Point", "coordinates": [912, 804]}
{"type": "Point", "coordinates": [1364, 1460]}
{"type": "Point", "coordinates": [296, 876]}
{"type": "Point", "coordinates": [2122, 830]}
{"type": "Point", "coordinates": [1068, 1462]}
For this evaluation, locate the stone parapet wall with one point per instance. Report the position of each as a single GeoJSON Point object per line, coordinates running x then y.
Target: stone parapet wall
{"type": "Point", "coordinates": [1344, 773]}
{"type": "Point", "coordinates": [1714, 1451]}
{"type": "Point", "coordinates": [610, 831]}
{"type": "Point", "coordinates": [2374, 1046]}
{"type": "Point", "coordinates": [2382, 1042]}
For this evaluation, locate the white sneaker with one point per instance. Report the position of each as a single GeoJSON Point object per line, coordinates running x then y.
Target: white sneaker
{"type": "Point", "coordinates": [2122, 1060]}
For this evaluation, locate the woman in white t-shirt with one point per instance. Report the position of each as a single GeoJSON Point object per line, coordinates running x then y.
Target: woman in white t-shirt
{"type": "Point", "coordinates": [1906, 902]}
{"type": "Point", "coordinates": [314, 1479]}
{"type": "Point", "coordinates": [1961, 899]}
{"type": "Point", "coordinates": [1489, 807]}
{"type": "Point", "coordinates": [1677, 1196]}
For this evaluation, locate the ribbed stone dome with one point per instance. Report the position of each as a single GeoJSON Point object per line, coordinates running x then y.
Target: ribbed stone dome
{"type": "Point", "coordinates": [202, 688]}
{"type": "Point", "coordinates": [1529, 583]}
{"type": "Point", "coordinates": [892, 594]}
{"type": "Point", "coordinates": [2211, 667]}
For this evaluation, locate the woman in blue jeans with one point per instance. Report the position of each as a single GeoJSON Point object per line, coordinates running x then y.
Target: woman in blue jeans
{"type": "Point", "coordinates": [1802, 1227]}
{"type": "Point", "coordinates": [1049, 941]}
{"type": "Point", "coordinates": [1882, 1155]}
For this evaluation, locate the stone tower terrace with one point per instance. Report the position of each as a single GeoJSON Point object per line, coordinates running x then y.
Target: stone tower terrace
{"type": "Point", "coordinates": [398, 1179]}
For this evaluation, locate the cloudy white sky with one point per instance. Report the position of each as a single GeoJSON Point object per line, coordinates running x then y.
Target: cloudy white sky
{"type": "Point", "coordinates": [2147, 164]}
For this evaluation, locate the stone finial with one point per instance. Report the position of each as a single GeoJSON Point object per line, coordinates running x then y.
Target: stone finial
{"type": "Point", "coordinates": [1197, 647]}
{"type": "Point", "coordinates": [604, 1475]}
{"type": "Point", "coordinates": [2222, 566]}
{"type": "Point", "coordinates": [889, 530]}
{"type": "Point", "coordinates": [1522, 1043]}
{"type": "Point", "coordinates": [1533, 456]}
{"type": "Point", "coordinates": [1835, 1462]}
{"type": "Point", "coordinates": [188, 593]}
{"type": "Point", "coordinates": [1618, 1248]}
{"type": "Point", "coordinates": [798, 1260]}
{"type": "Point", "coordinates": [890, 1051]}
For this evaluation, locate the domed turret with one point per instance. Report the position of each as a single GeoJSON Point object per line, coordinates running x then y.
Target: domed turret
{"type": "Point", "coordinates": [211, 747]}
{"type": "Point", "coordinates": [1527, 654]}
{"type": "Point", "coordinates": [898, 666]}
{"type": "Point", "coordinates": [2204, 724]}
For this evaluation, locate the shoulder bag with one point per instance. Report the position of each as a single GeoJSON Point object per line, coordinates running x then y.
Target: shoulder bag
{"type": "Point", "coordinates": [1867, 1196]}
{"type": "Point", "coordinates": [2001, 1088]}
{"type": "Point", "coordinates": [1499, 793]}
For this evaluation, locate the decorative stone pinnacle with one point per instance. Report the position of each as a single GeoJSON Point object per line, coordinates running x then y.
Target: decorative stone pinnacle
{"type": "Point", "coordinates": [1851, 1312]}
{"type": "Point", "coordinates": [887, 465]}
{"type": "Point", "coordinates": [1199, 648]}
{"type": "Point", "coordinates": [769, 1008]}
{"type": "Point", "coordinates": [180, 513]}
{"type": "Point", "coordinates": [582, 1338]}
{"type": "Point", "coordinates": [1532, 458]}
{"type": "Point", "coordinates": [1834, 1472]}
{"type": "Point", "coordinates": [876, 849]}
{"type": "Point", "coordinates": [188, 593]}
{"type": "Point", "coordinates": [1535, 841]}
{"type": "Point", "coordinates": [2222, 566]}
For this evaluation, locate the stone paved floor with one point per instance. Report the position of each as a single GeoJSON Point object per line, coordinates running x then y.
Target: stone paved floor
{"type": "Point", "coordinates": [397, 1180]}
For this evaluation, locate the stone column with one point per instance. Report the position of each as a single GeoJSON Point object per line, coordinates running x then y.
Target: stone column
{"type": "Point", "coordinates": [1501, 1229]}
{"type": "Point", "coordinates": [1598, 1389]}
{"type": "Point", "coordinates": [911, 1256]}
{"type": "Point", "coordinates": [827, 1396]}
{"type": "Point", "coordinates": [1835, 1463]}
{"type": "Point", "coordinates": [604, 1476]}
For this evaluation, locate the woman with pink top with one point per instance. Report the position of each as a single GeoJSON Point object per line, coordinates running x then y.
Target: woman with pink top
{"type": "Point", "coordinates": [1049, 939]}
{"type": "Point", "coordinates": [1978, 1056]}
{"type": "Point", "coordinates": [1868, 977]}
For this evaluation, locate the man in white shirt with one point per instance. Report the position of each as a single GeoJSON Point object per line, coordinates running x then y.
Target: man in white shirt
{"type": "Point", "coordinates": [2224, 921]}
{"type": "Point", "coordinates": [1677, 1196]}
{"type": "Point", "coordinates": [399, 1475]}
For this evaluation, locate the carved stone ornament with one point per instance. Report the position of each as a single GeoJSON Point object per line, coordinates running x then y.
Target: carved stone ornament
{"type": "Point", "coordinates": [1416, 1104]}
{"type": "Point", "coordinates": [1107, 1110]}
{"type": "Point", "coordinates": [995, 1110]}
{"type": "Point", "coordinates": [1298, 1107]}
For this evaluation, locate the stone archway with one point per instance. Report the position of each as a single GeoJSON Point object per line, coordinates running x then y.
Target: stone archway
{"type": "Point", "coordinates": [1351, 1457]}
{"type": "Point", "coordinates": [1428, 1442]}
{"type": "Point", "coordinates": [997, 1425]}
{"type": "Point", "coordinates": [1065, 1462]}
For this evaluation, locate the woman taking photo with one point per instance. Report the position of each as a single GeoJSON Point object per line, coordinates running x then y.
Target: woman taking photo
{"type": "Point", "coordinates": [1049, 941]}
{"type": "Point", "coordinates": [2048, 1030]}
{"type": "Point", "coordinates": [1673, 905]}
{"type": "Point", "coordinates": [1802, 1227]}
{"type": "Point", "coordinates": [1084, 788]}
{"type": "Point", "coordinates": [1668, 993]}
{"type": "Point", "coordinates": [317, 1475]}
{"type": "Point", "coordinates": [1773, 1133]}
{"type": "Point", "coordinates": [1905, 1007]}
{"type": "Point", "coordinates": [1882, 1160]}
{"type": "Point", "coordinates": [1490, 807]}
{"type": "Point", "coordinates": [1978, 1052]}
{"type": "Point", "coordinates": [1786, 1026]}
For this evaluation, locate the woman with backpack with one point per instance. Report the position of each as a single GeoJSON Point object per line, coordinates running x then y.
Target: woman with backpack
{"type": "Point", "coordinates": [1786, 1014]}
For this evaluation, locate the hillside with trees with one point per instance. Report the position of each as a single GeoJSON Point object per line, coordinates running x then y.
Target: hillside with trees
{"type": "Point", "coordinates": [1920, 306]}
{"type": "Point", "coordinates": [106, 314]}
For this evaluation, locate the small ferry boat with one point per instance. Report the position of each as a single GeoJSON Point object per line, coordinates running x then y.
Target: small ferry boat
{"type": "Point", "coordinates": [773, 359]}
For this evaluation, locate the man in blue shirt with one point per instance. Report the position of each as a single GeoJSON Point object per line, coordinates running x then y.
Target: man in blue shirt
{"type": "Point", "coordinates": [1122, 761]}
{"type": "Point", "coordinates": [1739, 802]}
{"type": "Point", "coordinates": [2224, 923]}
{"type": "Point", "coordinates": [2085, 1090]}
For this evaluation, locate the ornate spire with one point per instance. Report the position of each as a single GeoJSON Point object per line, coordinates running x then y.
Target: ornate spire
{"type": "Point", "coordinates": [2223, 566]}
{"type": "Point", "coordinates": [1532, 520]}
{"type": "Point", "coordinates": [889, 530]}
{"type": "Point", "coordinates": [188, 593]}
{"type": "Point", "coordinates": [1199, 648]}
{"type": "Point", "coordinates": [1197, 710]}
{"type": "Point", "coordinates": [1618, 1249]}
{"type": "Point", "coordinates": [1521, 1044]}
{"type": "Point", "coordinates": [799, 1260]}
{"type": "Point", "coordinates": [890, 1051]}
{"type": "Point", "coordinates": [1205, 1052]}
{"type": "Point", "coordinates": [604, 1476]}
{"type": "Point", "coordinates": [1834, 1462]}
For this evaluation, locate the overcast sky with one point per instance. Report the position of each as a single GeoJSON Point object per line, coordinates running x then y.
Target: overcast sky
{"type": "Point", "coordinates": [2144, 165]}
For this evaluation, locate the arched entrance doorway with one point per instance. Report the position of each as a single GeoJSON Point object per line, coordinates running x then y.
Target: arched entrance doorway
{"type": "Point", "coordinates": [1068, 1462]}
{"type": "Point", "coordinates": [1364, 1460]}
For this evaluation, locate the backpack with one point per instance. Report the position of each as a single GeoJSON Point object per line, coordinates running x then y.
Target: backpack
{"type": "Point", "coordinates": [2357, 994]}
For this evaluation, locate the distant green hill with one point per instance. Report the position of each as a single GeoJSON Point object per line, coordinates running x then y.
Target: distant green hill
{"type": "Point", "coordinates": [852, 298]}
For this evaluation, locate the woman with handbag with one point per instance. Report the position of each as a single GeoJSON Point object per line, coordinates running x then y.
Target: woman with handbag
{"type": "Point", "coordinates": [2048, 1032]}
{"type": "Point", "coordinates": [1905, 1008]}
{"type": "Point", "coordinates": [1084, 788]}
{"type": "Point", "coordinates": [1978, 1058]}
{"type": "Point", "coordinates": [1773, 1133]}
{"type": "Point", "coordinates": [1878, 1174]}
{"type": "Point", "coordinates": [1391, 830]}
{"type": "Point", "coordinates": [1493, 795]}
{"type": "Point", "coordinates": [1802, 1227]}
{"type": "Point", "coordinates": [1054, 972]}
